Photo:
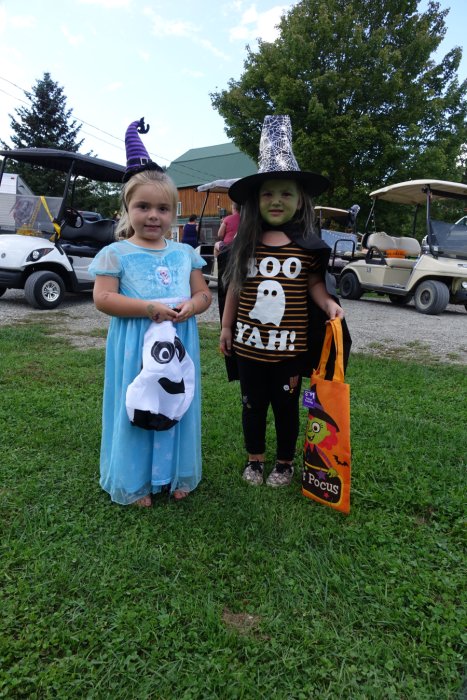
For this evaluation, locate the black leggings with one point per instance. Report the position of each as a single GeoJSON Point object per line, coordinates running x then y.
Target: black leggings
{"type": "Point", "coordinates": [265, 384]}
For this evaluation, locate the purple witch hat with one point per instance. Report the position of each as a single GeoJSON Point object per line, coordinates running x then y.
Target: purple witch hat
{"type": "Point", "coordinates": [317, 411]}
{"type": "Point", "coordinates": [137, 157]}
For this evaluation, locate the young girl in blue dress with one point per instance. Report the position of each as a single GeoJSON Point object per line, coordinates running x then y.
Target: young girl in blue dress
{"type": "Point", "coordinates": [143, 279]}
{"type": "Point", "coordinates": [277, 300]}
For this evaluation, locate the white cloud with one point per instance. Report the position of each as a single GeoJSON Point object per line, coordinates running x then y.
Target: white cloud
{"type": "Point", "coordinates": [107, 4]}
{"type": "Point", "coordinates": [15, 21]}
{"type": "Point", "coordinates": [206, 44]}
{"type": "Point", "coordinates": [164, 27]}
{"type": "Point", "coordinates": [144, 55]}
{"type": "Point", "coordinates": [254, 24]}
{"type": "Point", "coordinates": [73, 39]}
{"type": "Point", "coordinates": [12, 88]}
{"type": "Point", "coordinates": [193, 73]}
{"type": "Point", "coordinates": [113, 87]}
{"type": "Point", "coordinates": [23, 21]}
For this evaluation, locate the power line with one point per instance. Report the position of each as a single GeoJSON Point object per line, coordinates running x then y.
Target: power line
{"type": "Point", "coordinates": [83, 121]}
{"type": "Point", "coordinates": [180, 167]}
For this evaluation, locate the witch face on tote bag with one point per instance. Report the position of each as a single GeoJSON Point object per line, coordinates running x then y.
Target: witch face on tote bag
{"type": "Point", "coordinates": [326, 450]}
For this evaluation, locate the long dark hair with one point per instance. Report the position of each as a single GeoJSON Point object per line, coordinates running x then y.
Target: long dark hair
{"type": "Point", "coordinates": [250, 231]}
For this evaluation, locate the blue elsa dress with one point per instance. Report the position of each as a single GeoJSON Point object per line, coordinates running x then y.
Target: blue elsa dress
{"type": "Point", "coordinates": [133, 461]}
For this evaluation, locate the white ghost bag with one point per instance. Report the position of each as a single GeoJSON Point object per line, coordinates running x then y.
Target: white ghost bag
{"type": "Point", "coordinates": [163, 391]}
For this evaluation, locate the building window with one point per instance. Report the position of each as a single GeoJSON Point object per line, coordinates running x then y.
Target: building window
{"type": "Point", "coordinates": [179, 208]}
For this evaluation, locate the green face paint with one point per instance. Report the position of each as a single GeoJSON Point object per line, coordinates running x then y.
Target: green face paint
{"type": "Point", "coordinates": [278, 201]}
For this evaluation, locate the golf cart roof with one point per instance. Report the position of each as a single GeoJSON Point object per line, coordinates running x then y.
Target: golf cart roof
{"type": "Point", "coordinates": [54, 158]}
{"type": "Point", "coordinates": [217, 185]}
{"type": "Point", "coordinates": [413, 191]}
{"type": "Point", "coordinates": [331, 212]}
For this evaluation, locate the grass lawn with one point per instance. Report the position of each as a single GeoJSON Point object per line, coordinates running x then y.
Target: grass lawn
{"type": "Point", "coordinates": [236, 592]}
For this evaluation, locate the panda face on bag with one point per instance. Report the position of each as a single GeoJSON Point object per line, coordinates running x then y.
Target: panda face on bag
{"type": "Point", "coordinates": [163, 351]}
{"type": "Point", "coordinates": [162, 392]}
{"type": "Point", "coordinates": [172, 355]}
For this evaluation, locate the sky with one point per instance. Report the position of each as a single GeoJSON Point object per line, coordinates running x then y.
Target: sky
{"type": "Point", "coordinates": [120, 60]}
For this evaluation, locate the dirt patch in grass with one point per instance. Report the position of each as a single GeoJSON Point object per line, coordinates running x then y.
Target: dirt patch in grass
{"type": "Point", "coordinates": [416, 351]}
{"type": "Point", "coordinates": [377, 327]}
{"type": "Point", "coordinates": [242, 623]}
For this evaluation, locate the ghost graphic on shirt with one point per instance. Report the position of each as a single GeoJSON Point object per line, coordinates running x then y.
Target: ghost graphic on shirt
{"type": "Point", "coordinates": [270, 303]}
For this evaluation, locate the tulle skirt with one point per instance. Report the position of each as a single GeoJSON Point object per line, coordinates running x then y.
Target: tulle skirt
{"type": "Point", "coordinates": [135, 462]}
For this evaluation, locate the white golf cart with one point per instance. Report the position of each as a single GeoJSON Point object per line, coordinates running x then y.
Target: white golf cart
{"type": "Point", "coordinates": [338, 228]}
{"type": "Point", "coordinates": [433, 275]}
{"type": "Point", "coordinates": [46, 245]}
{"type": "Point", "coordinates": [206, 250]}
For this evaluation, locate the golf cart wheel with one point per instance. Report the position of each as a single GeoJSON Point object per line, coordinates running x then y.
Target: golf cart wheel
{"type": "Point", "coordinates": [431, 297]}
{"type": "Point", "coordinates": [398, 300]}
{"type": "Point", "coordinates": [2, 291]}
{"type": "Point", "coordinates": [350, 287]}
{"type": "Point", "coordinates": [44, 290]}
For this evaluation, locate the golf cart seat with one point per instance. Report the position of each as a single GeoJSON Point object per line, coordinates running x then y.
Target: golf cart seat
{"type": "Point", "coordinates": [87, 240]}
{"type": "Point", "coordinates": [206, 250]}
{"type": "Point", "coordinates": [395, 251]}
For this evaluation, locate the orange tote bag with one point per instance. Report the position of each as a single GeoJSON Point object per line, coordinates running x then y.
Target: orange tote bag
{"type": "Point", "coordinates": [326, 452]}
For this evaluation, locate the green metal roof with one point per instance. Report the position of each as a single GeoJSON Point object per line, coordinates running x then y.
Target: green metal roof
{"type": "Point", "coordinates": [200, 165]}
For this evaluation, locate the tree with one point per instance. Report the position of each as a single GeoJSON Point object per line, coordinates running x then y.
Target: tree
{"type": "Point", "coordinates": [47, 123]}
{"type": "Point", "coordinates": [368, 103]}
{"type": "Point", "coordinates": [103, 197]}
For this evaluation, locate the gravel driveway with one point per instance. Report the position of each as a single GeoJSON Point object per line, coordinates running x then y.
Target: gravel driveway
{"type": "Point", "coordinates": [377, 327]}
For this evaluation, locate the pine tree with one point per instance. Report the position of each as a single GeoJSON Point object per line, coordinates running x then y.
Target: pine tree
{"type": "Point", "coordinates": [369, 104]}
{"type": "Point", "coordinates": [47, 123]}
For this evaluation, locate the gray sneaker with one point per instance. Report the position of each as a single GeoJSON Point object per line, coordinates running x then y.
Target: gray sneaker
{"type": "Point", "coordinates": [281, 475]}
{"type": "Point", "coordinates": [253, 472]}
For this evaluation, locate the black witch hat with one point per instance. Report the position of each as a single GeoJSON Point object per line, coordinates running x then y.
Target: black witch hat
{"type": "Point", "coordinates": [276, 161]}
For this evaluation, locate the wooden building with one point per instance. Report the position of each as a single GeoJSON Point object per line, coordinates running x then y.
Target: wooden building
{"type": "Point", "coordinates": [199, 166]}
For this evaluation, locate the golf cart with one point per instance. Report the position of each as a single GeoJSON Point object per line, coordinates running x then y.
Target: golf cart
{"type": "Point", "coordinates": [206, 250]}
{"type": "Point", "coordinates": [338, 229]}
{"type": "Point", "coordinates": [46, 245]}
{"type": "Point", "coordinates": [433, 275]}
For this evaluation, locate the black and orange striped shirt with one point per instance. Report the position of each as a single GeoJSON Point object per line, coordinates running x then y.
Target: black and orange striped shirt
{"type": "Point", "coordinates": [272, 317]}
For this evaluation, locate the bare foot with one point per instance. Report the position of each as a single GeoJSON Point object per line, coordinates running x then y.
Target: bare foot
{"type": "Point", "coordinates": [145, 502]}
{"type": "Point", "coordinates": [179, 494]}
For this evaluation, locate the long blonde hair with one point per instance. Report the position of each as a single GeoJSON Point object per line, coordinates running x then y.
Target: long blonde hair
{"type": "Point", "coordinates": [147, 177]}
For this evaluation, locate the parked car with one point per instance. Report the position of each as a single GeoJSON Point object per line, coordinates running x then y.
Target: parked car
{"type": "Point", "coordinates": [46, 244]}
{"type": "Point", "coordinates": [433, 275]}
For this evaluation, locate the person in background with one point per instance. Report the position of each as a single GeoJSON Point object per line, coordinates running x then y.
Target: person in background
{"type": "Point", "coordinates": [228, 229]}
{"type": "Point", "coordinates": [190, 232]}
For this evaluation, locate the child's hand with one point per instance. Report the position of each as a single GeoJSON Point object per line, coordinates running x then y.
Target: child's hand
{"type": "Point", "coordinates": [225, 343]}
{"type": "Point", "coordinates": [320, 296]}
{"type": "Point", "coordinates": [332, 309]}
{"type": "Point", "coordinates": [185, 310]}
{"type": "Point", "coordinates": [158, 312]}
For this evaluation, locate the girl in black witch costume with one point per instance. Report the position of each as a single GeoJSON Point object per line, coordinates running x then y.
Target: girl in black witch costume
{"type": "Point", "coordinates": [277, 263]}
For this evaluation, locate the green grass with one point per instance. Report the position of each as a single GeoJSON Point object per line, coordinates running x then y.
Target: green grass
{"type": "Point", "coordinates": [236, 592]}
